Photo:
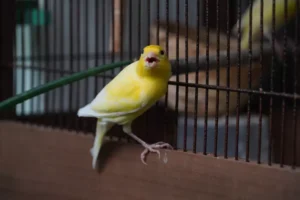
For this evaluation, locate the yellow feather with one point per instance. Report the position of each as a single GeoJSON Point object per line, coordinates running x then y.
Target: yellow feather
{"type": "Point", "coordinates": [267, 18]}
{"type": "Point", "coordinates": [135, 88]}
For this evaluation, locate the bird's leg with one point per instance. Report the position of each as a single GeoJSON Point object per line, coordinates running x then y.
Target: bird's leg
{"type": "Point", "coordinates": [148, 147]}
{"type": "Point", "coordinates": [158, 145]}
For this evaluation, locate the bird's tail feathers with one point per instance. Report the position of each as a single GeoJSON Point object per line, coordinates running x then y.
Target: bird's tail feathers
{"type": "Point", "coordinates": [101, 129]}
{"type": "Point", "coordinates": [87, 111]}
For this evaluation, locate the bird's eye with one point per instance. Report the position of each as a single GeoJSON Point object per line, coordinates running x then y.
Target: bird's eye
{"type": "Point", "coordinates": [162, 52]}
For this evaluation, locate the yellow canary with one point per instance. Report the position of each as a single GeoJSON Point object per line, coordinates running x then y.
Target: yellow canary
{"type": "Point", "coordinates": [267, 19]}
{"type": "Point", "coordinates": [134, 90]}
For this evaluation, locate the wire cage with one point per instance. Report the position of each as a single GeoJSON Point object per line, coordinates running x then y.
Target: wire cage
{"type": "Point", "coordinates": [222, 100]}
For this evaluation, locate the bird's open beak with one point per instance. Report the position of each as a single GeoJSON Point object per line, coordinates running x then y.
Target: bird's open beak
{"type": "Point", "coordinates": [151, 60]}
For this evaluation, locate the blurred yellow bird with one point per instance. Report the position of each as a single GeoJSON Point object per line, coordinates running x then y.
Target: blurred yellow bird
{"type": "Point", "coordinates": [267, 19]}
{"type": "Point", "coordinates": [134, 90]}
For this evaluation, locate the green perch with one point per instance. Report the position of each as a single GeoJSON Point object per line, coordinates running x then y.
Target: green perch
{"type": "Point", "coordinates": [13, 101]}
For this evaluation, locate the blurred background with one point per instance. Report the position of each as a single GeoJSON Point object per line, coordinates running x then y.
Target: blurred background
{"type": "Point", "coordinates": [43, 40]}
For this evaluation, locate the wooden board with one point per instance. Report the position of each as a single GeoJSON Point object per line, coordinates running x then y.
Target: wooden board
{"type": "Point", "coordinates": [38, 163]}
{"type": "Point", "coordinates": [115, 27]}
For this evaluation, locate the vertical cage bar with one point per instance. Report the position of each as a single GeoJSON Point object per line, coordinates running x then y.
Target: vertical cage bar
{"type": "Point", "coordinates": [71, 59]}
{"type": "Point", "coordinates": [39, 63]}
{"type": "Point", "coordinates": [227, 80]}
{"type": "Point", "coordinates": [55, 92]}
{"type": "Point", "coordinates": [86, 82]}
{"type": "Point", "coordinates": [197, 78]}
{"type": "Point", "coordinates": [249, 84]}
{"type": "Point", "coordinates": [271, 85]}
{"type": "Point", "coordinates": [130, 30]}
{"type": "Point", "coordinates": [237, 134]}
{"type": "Point", "coordinates": [218, 79]}
{"type": "Point", "coordinates": [113, 32]}
{"type": "Point", "coordinates": [23, 68]}
{"type": "Point", "coordinates": [103, 40]}
{"type": "Point", "coordinates": [148, 20]}
{"type": "Point", "coordinates": [78, 120]}
{"type": "Point", "coordinates": [62, 66]}
{"type": "Point", "coordinates": [157, 20]}
{"type": "Point", "coordinates": [177, 69]}
{"type": "Point", "coordinates": [167, 54]}
{"type": "Point", "coordinates": [113, 36]}
{"type": "Point", "coordinates": [282, 137]}
{"type": "Point", "coordinates": [148, 42]}
{"type": "Point", "coordinates": [129, 51]}
{"type": "Point", "coordinates": [121, 29]}
{"type": "Point", "coordinates": [207, 79]}
{"type": "Point", "coordinates": [47, 67]}
{"type": "Point", "coordinates": [157, 41]}
{"type": "Point", "coordinates": [96, 44]}
{"type": "Point", "coordinates": [121, 40]}
{"type": "Point", "coordinates": [139, 38]}
{"type": "Point", "coordinates": [261, 76]}
{"type": "Point", "coordinates": [167, 29]}
{"type": "Point", "coordinates": [186, 75]}
{"type": "Point", "coordinates": [33, 70]}
{"type": "Point", "coordinates": [296, 64]}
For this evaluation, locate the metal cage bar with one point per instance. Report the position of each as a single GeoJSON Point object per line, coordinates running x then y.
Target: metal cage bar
{"type": "Point", "coordinates": [228, 101]}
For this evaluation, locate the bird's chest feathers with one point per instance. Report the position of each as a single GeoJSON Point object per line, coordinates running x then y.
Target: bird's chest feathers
{"type": "Point", "coordinates": [137, 89]}
{"type": "Point", "coordinates": [153, 88]}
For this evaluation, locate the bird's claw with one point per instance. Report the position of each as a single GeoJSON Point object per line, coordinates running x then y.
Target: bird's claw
{"type": "Point", "coordinates": [162, 145]}
{"type": "Point", "coordinates": [153, 148]}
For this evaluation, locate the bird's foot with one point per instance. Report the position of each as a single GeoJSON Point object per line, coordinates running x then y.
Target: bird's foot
{"type": "Point", "coordinates": [153, 148]}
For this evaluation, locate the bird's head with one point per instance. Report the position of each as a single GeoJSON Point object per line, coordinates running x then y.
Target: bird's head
{"type": "Point", "coordinates": [153, 61]}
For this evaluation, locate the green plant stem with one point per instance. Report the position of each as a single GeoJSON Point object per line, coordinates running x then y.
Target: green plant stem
{"type": "Point", "coordinates": [13, 101]}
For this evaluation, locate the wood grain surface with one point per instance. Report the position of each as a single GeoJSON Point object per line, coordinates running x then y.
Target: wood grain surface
{"type": "Point", "coordinates": [40, 163]}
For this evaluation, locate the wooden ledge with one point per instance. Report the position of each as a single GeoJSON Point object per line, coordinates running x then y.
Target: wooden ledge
{"type": "Point", "coordinates": [38, 163]}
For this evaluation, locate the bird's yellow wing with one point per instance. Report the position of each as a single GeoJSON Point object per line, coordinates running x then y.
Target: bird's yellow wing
{"type": "Point", "coordinates": [121, 96]}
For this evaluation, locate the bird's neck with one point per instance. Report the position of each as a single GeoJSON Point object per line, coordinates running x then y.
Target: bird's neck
{"type": "Point", "coordinates": [154, 73]}
{"type": "Point", "coordinates": [142, 71]}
